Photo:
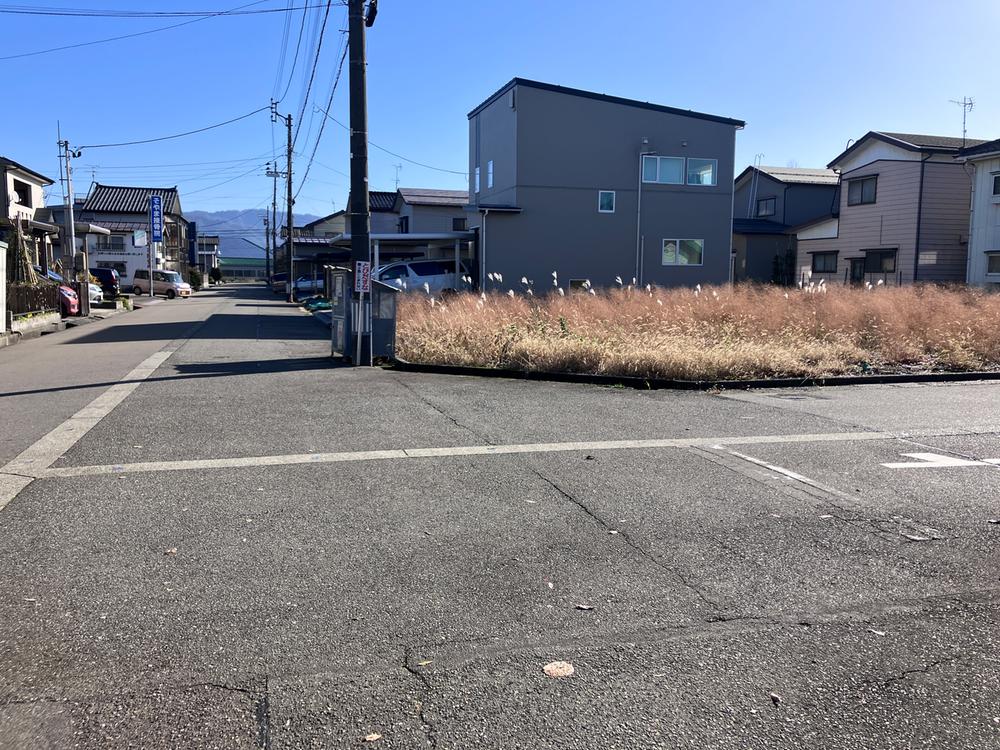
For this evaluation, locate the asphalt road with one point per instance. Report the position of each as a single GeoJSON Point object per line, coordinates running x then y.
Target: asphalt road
{"type": "Point", "coordinates": [214, 538]}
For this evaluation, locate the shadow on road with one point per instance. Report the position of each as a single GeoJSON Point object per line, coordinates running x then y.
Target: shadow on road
{"type": "Point", "coordinates": [195, 371]}
{"type": "Point", "coordinates": [271, 327]}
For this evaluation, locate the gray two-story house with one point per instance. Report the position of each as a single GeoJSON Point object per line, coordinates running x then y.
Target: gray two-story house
{"type": "Point", "coordinates": [594, 187]}
{"type": "Point", "coordinates": [903, 214]}
{"type": "Point", "coordinates": [768, 203]}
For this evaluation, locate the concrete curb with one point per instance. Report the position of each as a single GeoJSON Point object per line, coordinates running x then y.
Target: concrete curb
{"type": "Point", "coordinates": [650, 384]}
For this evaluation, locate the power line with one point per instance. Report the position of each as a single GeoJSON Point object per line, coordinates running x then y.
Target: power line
{"type": "Point", "coordinates": [24, 10]}
{"type": "Point", "coordinates": [393, 153]}
{"type": "Point", "coordinates": [177, 135]}
{"type": "Point", "coordinates": [283, 47]}
{"type": "Point", "coordinates": [322, 123]}
{"type": "Point", "coordinates": [295, 60]}
{"type": "Point", "coordinates": [130, 36]}
{"type": "Point", "coordinates": [225, 182]}
{"type": "Point", "coordinates": [312, 74]}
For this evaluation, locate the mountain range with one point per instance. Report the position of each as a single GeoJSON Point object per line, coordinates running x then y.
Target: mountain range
{"type": "Point", "coordinates": [233, 226]}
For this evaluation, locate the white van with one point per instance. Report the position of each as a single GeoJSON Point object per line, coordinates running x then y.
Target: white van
{"type": "Point", "coordinates": [168, 283]}
{"type": "Point", "coordinates": [438, 275]}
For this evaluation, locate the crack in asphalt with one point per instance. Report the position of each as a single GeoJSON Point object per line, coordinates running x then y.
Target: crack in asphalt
{"type": "Point", "coordinates": [423, 399]}
{"type": "Point", "coordinates": [426, 724]}
{"type": "Point", "coordinates": [907, 673]}
{"type": "Point", "coordinates": [645, 554]}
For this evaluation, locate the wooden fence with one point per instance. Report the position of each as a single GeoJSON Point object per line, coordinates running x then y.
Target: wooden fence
{"type": "Point", "coordinates": [32, 298]}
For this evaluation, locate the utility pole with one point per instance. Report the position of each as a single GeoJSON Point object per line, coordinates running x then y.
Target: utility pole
{"type": "Point", "coordinates": [289, 223]}
{"type": "Point", "coordinates": [360, 207]}
{"type": "Point", "coordinates": [274, 216]}
{"type": "Point", "coordinates": [267, 250]}
{"type": "Point", "coordinates": [290, 244]}
{"type": "Point", "coordinates": [70, 230]}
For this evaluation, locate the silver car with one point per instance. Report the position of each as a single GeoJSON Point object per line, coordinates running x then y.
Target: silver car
{"type": "Point", "coordinates": [432, 276]}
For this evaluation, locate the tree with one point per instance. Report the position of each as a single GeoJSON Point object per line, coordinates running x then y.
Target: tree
{"type": "Point", "coordinates": [215, 274]}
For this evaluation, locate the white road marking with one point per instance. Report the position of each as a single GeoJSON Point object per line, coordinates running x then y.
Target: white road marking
{"type": "Point", "coordinates": [937, 461]}
{"type": "Point", "coordinates": [453, 451]}
{"type": "Point", "coordinates": [34, 460]}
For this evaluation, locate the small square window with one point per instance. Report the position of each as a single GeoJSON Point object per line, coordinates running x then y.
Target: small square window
{"type": "Point", "coordinates": [489, 174]}
{"type": "Point", "coordinates": [649, 169]}
{"type": "Point", "coordinates": [993, 262]}
{"type": "Point", "coordinates": [824, 263]}
{"type": "Point", "coordinates": [606, 201]}
{"type": "Point", "coordinates": [996, 184]}
{"type": "Point", "coordinates": [862, 191]}
{"type": "Point", "coordinates": [459, 224]}
{"type": "Point", "coordinates": [702, 171]}
{"type": "Point", "coordinates": [766, 207]}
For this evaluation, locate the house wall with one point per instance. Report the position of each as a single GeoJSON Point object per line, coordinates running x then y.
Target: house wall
{"type": "Point", "coordinates": [944, 223]}
{"type": "Point", "coordinates": [570, 147]}
{"type": "Point", "coordinates": [384, 222]}
{"type": "Point", "coordinates": [984, 234]}
{"type": "Point", "coordinates": [808, 202]}
{"type": "Point", "coordinates": [493, 136]}
{"type": "Point", "coordinates": [744, 208]}
{"type": "Point", "coordinates": [125, 261]}
{"type": "Point", "coordinates": [333, 225]}
{"type": "Point", "coordinates": [889, 223]}
{"type": "Point", "coordinates": [15, 210]}
{"type": "Point", "coordinates": [431, 218]}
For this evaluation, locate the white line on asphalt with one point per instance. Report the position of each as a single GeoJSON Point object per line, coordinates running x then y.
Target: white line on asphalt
{"type": "Point", "coordinates": [463, 450]}
{"type": "Point", "coordinates": [34, 460]}
{"type": "Point", "coordinates": [937, 461]}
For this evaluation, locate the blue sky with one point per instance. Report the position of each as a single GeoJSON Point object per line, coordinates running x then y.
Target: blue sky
{"type": "Point", "coordinates": [806, 76]}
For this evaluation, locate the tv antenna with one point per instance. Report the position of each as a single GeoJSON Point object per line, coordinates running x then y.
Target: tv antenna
{"type": "Point", "coordinates": [966, 104]}
{"type": "Point", "coordinates": [397, 167]}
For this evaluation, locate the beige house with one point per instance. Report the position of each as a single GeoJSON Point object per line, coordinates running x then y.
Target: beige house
{"type": "Point", "coordinates": [903, 214]}
{"type": "Point", "coordinates": [22, 205]}
{"type": "Point", "coordinates": [983, 161]}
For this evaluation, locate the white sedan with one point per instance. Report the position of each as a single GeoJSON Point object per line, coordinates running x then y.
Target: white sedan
{"type": "Point", "coordinates": [96, 294]}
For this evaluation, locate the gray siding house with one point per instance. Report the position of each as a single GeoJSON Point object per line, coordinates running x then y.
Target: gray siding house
{"type": "Point", "coordinates": [592, 187]}
{"type": "Point", "coordinates": [903, 214]}
{"type": "Point", "coordinates": [768, 203]}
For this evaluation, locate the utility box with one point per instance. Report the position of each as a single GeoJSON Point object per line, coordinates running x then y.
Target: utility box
{"type": "Point", "coordinates": [375, 338]}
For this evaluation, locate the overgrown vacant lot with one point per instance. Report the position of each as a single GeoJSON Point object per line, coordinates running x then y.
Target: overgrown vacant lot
{"type": "Point", "coordinates": [715, 334]}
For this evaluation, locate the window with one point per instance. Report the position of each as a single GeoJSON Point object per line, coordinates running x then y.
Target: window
{"type": "Point", "coordinates": [996, 184]}
{"type": "Point", "coordinates": [22, 193]}
{"type": "Point", "coordinates": [993, 263]}
{"type": "Point", "coordinates": [114, 243]}
{"type": "Point", "coordinates": [432, 267]}
{"type": "Point", "coordinates": [880, 261]}
{"type": "Point", "coordinates": [765, 207]}
{"type": "Point", "coordinates": [404, 224]}
{"type": "Point", "coordinates": [683, 252]}
{"type": "Point", "coordinates": [459, 224]}
{"type": "Point", "coordinates": [702, 171]}
{"type": "Point", "coordinates": [824, 262]}
{"type": "Point", "coordinates": [489, 174]}
{"type": "Point", "coordinates": [860, 192]}
{"type": "Point", "coordinates": [606, 201]}
{"type": "Point", "coordinates": [477, 179]}
{"type": "Point", "coordinates": [394, 272]}
{"type": "Point", "coordinates": [666, 170]}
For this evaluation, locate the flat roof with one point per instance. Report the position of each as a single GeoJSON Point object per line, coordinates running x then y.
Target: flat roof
{"type": "Point", "coordinates": [604, 98]}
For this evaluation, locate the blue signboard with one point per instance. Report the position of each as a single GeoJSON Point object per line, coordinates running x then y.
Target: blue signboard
{"type": "Point", "coordinates": [156, 218]}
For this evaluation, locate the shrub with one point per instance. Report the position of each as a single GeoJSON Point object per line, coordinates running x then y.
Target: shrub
{"type": "Point", "coordinates": [215, 274]}
{"type": "Point", "coordinates": [194, 278]}
{"type": "Point", "coordinates": [724, 333]}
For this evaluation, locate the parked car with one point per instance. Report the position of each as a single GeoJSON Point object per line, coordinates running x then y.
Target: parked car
{"type": "Point", "coordinates": [279, 283]}
{"type": "Point", "coordinates": [438, 275]}
{"type": "Point", "coordinates": [168, 283]}
{"type": "Point", "coordinates": [69, 303]}
{"type": "Point", "coordinates": [109, 280]}
{"type": "Point", "coordinates": [305, 284]}
{"type": "Point", "coordinates": [96, 294]}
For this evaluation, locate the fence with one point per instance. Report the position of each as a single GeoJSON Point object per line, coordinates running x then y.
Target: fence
{"type": "Point", "coordinates": [32, 298]}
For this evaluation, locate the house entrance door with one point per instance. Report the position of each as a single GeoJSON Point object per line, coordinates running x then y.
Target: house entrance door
{"type": "Point", "coordinates": [857, 270]}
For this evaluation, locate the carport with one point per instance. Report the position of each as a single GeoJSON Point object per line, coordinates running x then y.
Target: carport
{"type": "Point", "coordinates": [396, 245]}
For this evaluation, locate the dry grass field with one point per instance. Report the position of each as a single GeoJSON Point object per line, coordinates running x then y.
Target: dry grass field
{"type": "Point", "coordinates": [725, 333]}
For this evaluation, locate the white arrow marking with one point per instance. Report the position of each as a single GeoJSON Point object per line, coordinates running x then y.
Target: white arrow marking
{"type": "Point", "coordinates": [936, 461]}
